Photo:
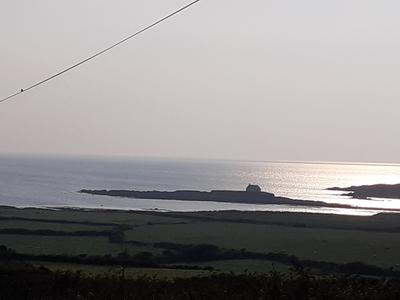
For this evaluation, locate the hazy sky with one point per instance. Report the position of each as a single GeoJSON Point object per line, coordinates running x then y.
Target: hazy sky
{"type": "Point", "coordinates": [259, 80]}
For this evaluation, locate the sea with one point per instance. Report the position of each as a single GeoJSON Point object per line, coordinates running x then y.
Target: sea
{"type": "Point", "coordinates": [54, 182]}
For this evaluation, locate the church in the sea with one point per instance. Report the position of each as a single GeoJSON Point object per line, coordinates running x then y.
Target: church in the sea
{"type": "Point", "coordinates": [253, 188]}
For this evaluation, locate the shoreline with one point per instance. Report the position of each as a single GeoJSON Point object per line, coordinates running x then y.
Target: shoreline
{"type": "Point", "coordinates": [385, 191]}
{"type": "Point", "coordinates": [235, 198]}
{"type": "Point", "coordinates": [307, 210]}
{"type": "Point", "coordinates": [217, 196]}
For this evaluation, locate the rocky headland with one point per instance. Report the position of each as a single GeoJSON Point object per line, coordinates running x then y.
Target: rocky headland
{"type": "Point", "coordinates": [252, 195]}
{"type": "Point", "coordinates": [391, 191]}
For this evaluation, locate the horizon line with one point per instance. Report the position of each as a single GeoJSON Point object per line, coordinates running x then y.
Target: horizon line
{"type": "Point", "coordinates": [107, 156]}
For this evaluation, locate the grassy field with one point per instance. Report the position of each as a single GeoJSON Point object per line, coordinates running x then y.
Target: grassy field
{"type": "Point", "coordinates": [236, 266]}
{"type": "Point", "coordinates": [38, 225]}
{"type": "Point", "coordinates": [245, 265]}
{"type": "Point", "coordinates": [379, 222]}
{"type": "Point", "coordinates": [67, 245]}
{"type": "Point", "coordinates": [373, 240]}
{"type": "Point", "coordinates": [84, 216]}
{"type": "Point", "coordinates": [90, 270]}
{"type": "Point", "coordinates": [378, 248]}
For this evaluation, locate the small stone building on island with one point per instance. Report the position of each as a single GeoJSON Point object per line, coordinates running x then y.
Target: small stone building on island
{"type": "Point", "coordinates": [253, 188]}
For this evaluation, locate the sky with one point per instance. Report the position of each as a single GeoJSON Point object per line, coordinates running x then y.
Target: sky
{"type": "Point", "coordinates": [268, 80]}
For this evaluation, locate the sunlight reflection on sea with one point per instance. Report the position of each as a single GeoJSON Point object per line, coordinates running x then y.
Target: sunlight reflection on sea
{"type": "Point", "coordinates": [54, 182]}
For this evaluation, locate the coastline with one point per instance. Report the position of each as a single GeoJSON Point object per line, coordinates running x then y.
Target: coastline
{"type": "Point", "coordinates": [48, 182]}
{"type": "Point", "coordinates": [386, 191]}
{"type": "Point", "coordinates": [234, 197]}
{"type": "Point", "coordinates": [354, 211]}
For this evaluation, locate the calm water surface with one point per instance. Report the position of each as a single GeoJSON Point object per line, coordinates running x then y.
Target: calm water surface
{"type": "Point", "coordinates": [53, 182]}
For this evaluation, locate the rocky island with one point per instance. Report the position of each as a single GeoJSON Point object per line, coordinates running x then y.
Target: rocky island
{"type": "Point", "coordinates": [391, 191]}
{"type": "Point", "coordinates": [252, 195]}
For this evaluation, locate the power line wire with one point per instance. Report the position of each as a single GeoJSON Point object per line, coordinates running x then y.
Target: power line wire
{"type": "Point", "coordinates": [99, 53]}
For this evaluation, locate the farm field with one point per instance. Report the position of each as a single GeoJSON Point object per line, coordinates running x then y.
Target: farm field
{"type": "Point", "coordinates": [90, 270]}
{"type": "Point", "coordinates": [231, 236]}
{"type": "Point", "coordinates": [66, 245]}
{"type": "Point", "coordinates": [102, 217]}
{"type": "Point", "coordinates": [235, 266]}
{"type": "Point", "coordinates": [38, 225]}
{"type": "Point", "coordinates": [246, 265]}
{"type": "Point", "coordinates": [378, 248]}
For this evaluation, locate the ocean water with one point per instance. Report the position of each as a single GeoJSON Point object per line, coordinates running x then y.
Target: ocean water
{"type": "Point", "coordinates": [54, 182]}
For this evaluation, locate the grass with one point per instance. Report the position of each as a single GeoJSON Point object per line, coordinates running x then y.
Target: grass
{"type": "Point", "coordinates": [380, 222]}
{"type": "Point", "coordinates": [97, 216]}
{"type": "Point", "coordinates": [90, 270]}
{"type": "Point", "coordinates": [68, 245]}
{"type": "Point", "coordinates": [37, 225]}
{"type": "Point", "coordinates": [308, 236]}
{"type": "Point", "coordinates": [341, 246]}
{"type": "Point", "coordinates": [236, 266]}
{"type": "Point", "coordinates": [245, 265]}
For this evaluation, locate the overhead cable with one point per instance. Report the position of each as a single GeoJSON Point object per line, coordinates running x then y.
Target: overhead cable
{"type": "Point", "coordinates": [23, 90]}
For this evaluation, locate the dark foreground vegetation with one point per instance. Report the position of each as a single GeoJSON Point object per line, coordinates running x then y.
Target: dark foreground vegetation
{"type": "Point", "coordinates": [33, 283]}
{"type": "Point", "coordinates": [177, 256]}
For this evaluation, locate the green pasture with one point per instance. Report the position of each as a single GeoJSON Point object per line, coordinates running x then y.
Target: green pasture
{"type": "Point", "coordinates": [91, 270]}
{"type": "Point", "coordinates": [377, 248]}
{"type": "Point", "coordinates": [37, 225]}
{"type": "Point", "coordinates": [380, 222]}
{"type": "Point", "coordinates": [110, 217]}
{"type": "Point", "coordinates": [308, 236]}
{"type": "Point", "coordinates": [245, 265]}
{"type": "Point", "coordinates": [67, 245]}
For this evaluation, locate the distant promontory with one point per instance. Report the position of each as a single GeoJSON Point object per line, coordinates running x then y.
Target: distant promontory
{"type": "Point", "coordinates": [391, 191]}
{"type": "Point", "coordinates": [252, 195]}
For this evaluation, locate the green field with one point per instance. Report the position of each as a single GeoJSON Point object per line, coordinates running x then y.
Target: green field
{"type": "Point", "coordinates": [380, 221]}
{"type": "Point", "coordinates": [378, 248]}
{"type": "Point", "coordinates": [236, 266]}
{"type": "Point", "coordinates": [38, 225]}
{"type": "Point", "coordinates": [245, 265]}
{"type": "Point", "coordinates": [90, 270]}
{"type": "Point", "coordinates": [108, 217]}
{"type": "Point", "coordinates": [55, 245]}
{"type": "Point", "coordinates": [339, 239]}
